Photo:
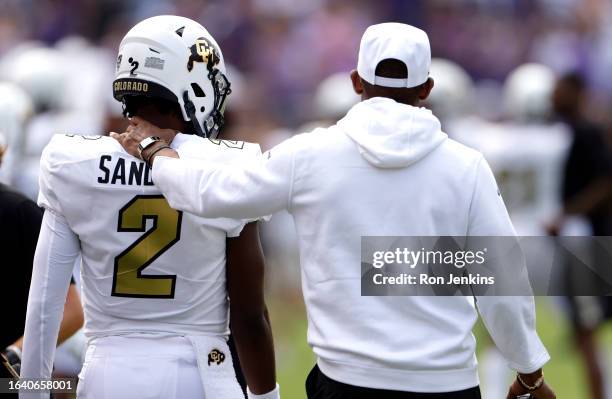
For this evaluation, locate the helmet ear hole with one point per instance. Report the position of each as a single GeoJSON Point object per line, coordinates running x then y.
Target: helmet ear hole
{"type": "Point", "coordinates": [190, 109]}
{"type": "Point", "coordinates": [197, 90]}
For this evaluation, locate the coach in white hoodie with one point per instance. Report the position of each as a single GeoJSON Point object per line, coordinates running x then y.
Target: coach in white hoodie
{"type": "Point", "coordinates": [385, 169]}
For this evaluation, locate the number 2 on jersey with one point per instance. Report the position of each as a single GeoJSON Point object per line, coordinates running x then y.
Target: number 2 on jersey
{"type": "Point", "coordinates": [128, 280]}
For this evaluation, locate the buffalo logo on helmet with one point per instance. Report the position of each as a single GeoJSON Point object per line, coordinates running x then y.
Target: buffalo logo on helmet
{"type": "Point", "coordinates": [203, 51]}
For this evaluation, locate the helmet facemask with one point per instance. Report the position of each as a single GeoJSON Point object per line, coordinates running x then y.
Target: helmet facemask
{"type": "Point", "coordinates": [215, 120]}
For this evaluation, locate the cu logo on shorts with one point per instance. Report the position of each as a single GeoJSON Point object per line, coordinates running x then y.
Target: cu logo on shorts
{"type": "Point", "coordinates": [216, 356]}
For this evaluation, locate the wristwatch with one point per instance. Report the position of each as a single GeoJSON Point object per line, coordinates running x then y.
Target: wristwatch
{"type": "Point", "coordinates": [147, 142]}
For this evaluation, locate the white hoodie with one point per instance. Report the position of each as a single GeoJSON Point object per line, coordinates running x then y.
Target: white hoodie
{"type": "Point", "coordinates": [391, 142]}
{"type": "Point", "coordinates": [386, 169]}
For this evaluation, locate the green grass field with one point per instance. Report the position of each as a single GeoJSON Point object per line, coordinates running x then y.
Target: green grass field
{"type": "Point", "coordinates": [564, 372]}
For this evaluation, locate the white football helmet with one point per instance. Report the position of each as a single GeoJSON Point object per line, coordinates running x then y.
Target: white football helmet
{"type": "Point", "coordinates": [16, 109]}
{"type": "Point", "coordinates": [176, 59]}
{"type": "Point", "coordinates": [334, 97]}
{"type": "Point", "coordinates": [528, 93]}
{"type": "Point", "coordinates": [41, 71]}
{"type": "Point", "coordinates": [453, 90]}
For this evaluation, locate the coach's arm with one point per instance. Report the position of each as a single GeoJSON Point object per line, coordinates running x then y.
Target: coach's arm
{"type": "Point", "coordinates": [510, 320]}
{"type": "Point", "coordinates": [247, 190]}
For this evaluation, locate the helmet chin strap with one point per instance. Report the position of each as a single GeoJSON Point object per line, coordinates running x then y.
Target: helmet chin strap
{"type": "Point", "coordinates": [215, 121]}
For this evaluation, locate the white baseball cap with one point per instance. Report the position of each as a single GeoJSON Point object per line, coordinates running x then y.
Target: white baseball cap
{"type": "Point", "coordinates": [397, 41]}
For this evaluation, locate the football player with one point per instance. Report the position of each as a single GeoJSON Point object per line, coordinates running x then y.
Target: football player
{"type": "Point", "coordinates": [154, 279]}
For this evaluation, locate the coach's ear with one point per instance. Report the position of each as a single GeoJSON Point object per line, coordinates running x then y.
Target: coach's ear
{"type": "Point", "coordinates": [357, 86]}
{"type": "Point", "coordinates": [425, 89]}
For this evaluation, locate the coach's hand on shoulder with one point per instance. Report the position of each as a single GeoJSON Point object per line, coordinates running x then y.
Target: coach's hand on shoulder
{"type": "Point", "coordinates": [138, 130]}
{"type": "Point", "coordinates": [530, 384]}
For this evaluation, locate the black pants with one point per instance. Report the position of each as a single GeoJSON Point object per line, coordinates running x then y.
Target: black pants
{"type": "Point", "coordinates": [319, 386]}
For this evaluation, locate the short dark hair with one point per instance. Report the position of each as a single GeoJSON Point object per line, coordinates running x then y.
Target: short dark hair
{"type": "Point", "coordinates": [162, 106]}
{"type": "Point", "coordinates": [396, 69]}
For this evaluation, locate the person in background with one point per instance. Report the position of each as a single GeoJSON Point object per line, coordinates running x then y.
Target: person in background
{"type": "Point", "coordinates": [587, 178]}
{"type": "Point", "coordinates": [20, 221]}
{"type": "Point", "coordinates": [16, 109]}
{"type": "Point", "coordinates": [587, 192]}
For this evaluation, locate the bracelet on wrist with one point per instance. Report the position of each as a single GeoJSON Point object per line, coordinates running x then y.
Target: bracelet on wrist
{"type": "Point", "coordinates": [537, 385]}
{"type": "Point", "coordinates": [154, 151]}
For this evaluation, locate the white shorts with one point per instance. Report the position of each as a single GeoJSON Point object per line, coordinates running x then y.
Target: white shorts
{"type": "Point", "coordinates": [130, 367]}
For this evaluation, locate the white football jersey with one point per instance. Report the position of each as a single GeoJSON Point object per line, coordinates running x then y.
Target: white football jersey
{"type": "Point", "coordinates": [145, 266]}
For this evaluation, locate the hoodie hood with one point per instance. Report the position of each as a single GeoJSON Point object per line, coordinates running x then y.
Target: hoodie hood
{"type": "Point", "coordinates": [390, 134]}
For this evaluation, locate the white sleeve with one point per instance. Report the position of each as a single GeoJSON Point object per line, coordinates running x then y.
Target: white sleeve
{"type": "Point", "coordinates": [510, 320]}
{"type": "Point", "coordinates": [249, 189]}
{"type": "Point", "coordinates": [56, 252]}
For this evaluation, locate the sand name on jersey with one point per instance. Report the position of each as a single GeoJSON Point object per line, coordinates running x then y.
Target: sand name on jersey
{"type": "Point", "coordinates": [117, 170]}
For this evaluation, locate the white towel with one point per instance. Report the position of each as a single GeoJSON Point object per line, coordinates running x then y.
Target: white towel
{"type": "Point", "coordinates": [216, 367]}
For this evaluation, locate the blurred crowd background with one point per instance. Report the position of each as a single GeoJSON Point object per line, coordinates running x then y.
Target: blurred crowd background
{"type": "Point", "coordinates": [524, 81]}
{"type": "Point", "coordinates": [285, 48]}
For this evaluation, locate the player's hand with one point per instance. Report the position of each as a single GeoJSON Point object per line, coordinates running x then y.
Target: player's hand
{"type": "Point", "coordinates": [138, 130]}
{"type": "Point", "coordinates": [12, 361]}
{"type": "Point", "coordinates": [544, 392]}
